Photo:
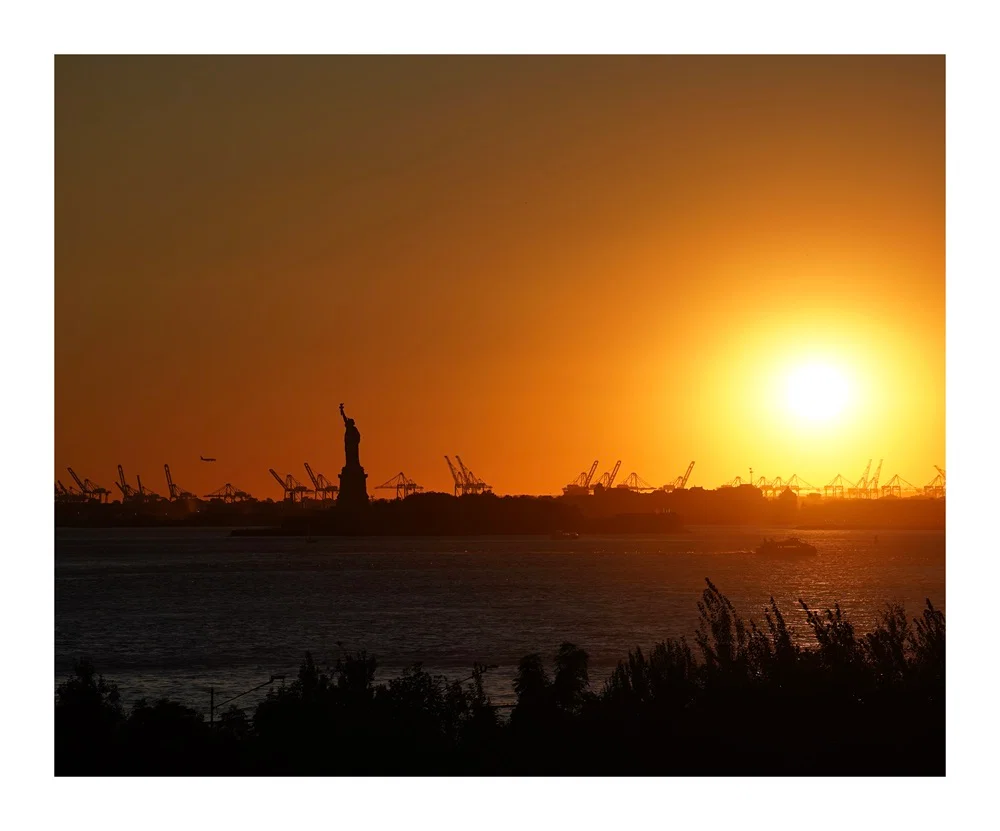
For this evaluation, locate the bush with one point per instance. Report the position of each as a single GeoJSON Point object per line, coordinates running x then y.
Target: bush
{"type": "Point", "coordinates": [748, 699]}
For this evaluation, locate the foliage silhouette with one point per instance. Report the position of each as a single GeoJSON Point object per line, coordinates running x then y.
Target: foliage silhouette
{"type": "Point", "coordinates": [747, 699]}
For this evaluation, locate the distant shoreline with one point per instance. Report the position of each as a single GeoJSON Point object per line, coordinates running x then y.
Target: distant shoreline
{"type": "Point", "coordinates": [439, 514]}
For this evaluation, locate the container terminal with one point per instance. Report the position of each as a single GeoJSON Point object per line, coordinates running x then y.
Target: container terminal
{"type": "Point", "coordinates": [589, 503]}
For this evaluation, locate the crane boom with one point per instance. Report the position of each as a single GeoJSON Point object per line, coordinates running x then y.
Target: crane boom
{"type": "Point", "coordinates": [687, 475]}
{"type": "Point", "coordinates": [459, 482]}
{"type": "Point", "coordinates": [284, 485]}
{"type": "Point", "coordinates": [402, 484]}
{"type": "Point", "coordinates": [614, 473]}
{"type": "Point", "coordinates": [473, 484]}
{"type": "Point", "coordinates": [170, 482]}
{"type": "Point", "coordinates": [127, 490]}
{"type": "Point", "coordinates": [863, 481]}
{"type": "Point", "coordinates": [76, 479]}
{"type": "Point", "coordinates": [873, 483]}
{"type": "Point", "coordinates": [311, 476]}
{"type": "Point", "coordinates": [467, 476]}
{"type": "Point", "coordinates": [590, 476]}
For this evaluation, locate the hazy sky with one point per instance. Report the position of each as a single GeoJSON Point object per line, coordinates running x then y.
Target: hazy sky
{"type": "Point", "coordinates": [530, 262]}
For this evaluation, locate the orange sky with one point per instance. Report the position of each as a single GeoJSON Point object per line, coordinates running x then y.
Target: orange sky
{"type": "Point", "coordinates": [530, 262]}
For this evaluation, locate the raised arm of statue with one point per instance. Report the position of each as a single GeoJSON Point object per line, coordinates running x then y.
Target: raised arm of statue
{"type": "Point", "coordinates": [342, 415]}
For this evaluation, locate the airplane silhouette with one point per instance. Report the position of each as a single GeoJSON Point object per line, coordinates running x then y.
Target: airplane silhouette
{"type": "Point", "coordinates": [206, 460]}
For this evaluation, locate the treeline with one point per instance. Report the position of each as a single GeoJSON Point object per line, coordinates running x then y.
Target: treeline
{"type": "Point", "coordinates": [742, 699]}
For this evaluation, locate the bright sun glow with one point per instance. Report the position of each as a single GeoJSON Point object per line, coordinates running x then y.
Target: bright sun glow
{"type": "Point", "coordinates": [818, 392]}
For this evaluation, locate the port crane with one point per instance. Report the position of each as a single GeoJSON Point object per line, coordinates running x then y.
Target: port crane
{"type": "Point", "coordinates": [634, 482]}
{"type": "Point", "coordinates": [322, 487]}
{"type": "Point", "coordinates": [174, 491]}
{"type": "Point", "coordinates": [607, 479]}
{"type": "Point", "coordinates": [400, 483]}
{"type": "Point", "coordinates": [229, 493]}
{"type": "Point", "coordinates": [895, 487]}
{"type": "Point", "coordinates": [859, 488]}
{"type": "Point", "coordinates": [89, 489]}
{"type": "Point", "coordinates": [64, 494]}
{"type": "Point", "coordinates": [473, 484]}
{"type": "Point", "coordinates": [774, 487]}
{"type": "Point", "coordinates": [292, 487]}
{"type": "Point", "coordinates": [465, 480]}
{"type": "Point", "coordinates": [835, 487]}
{"type": "Point", "coordinates": [128, 492]}
{"type": "Point", "coordinates": [581, 485]}
{"type": "Point", "coordinates": [146, 494]}
{"type": "Point", "coordinates": [681, 481]}
{"type": "Point", "coordinates": [79, 484]}
{"type": "Point", "coordinates": [872, 491]}
{"type": "Point", "coordinates": [459, 482]}
{"type": "Point", "coordinates": [935, 487]}
{"type": "Point", "coordinates": [796, 484]}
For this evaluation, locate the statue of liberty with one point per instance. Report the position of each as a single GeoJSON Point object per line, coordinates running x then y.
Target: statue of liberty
{"type": "Point", "coordinates": [353, 491]}
{"type": "Point", "coordinates": [352, 438]}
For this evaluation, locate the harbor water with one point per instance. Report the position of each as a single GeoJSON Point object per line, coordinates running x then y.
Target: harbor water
{"type": "Point", "coordinates": [174, 613]}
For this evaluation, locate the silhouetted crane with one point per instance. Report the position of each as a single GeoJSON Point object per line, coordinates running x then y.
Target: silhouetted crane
{"type": "Point", "coordinates": [175, 492]}
{"type": "Point", "coordinates": [581, 485]}
{"type": "Point", "coordinates": [459, 481]}
{"type": "Point", "coordinates": [401, 484]}
{"type": "Point", "coordinates": [76, 479]}
{"type": "Point", "coordinates": [292, 487]}
{"type": "Point", "coordinates": [681, 481]}
{"type": "Point", "coordinates": [835, 487]}
{"type": "Point", "coordinates": [935, 487]}
{"type": "Point", "coordinates": [322, 487]}
{"type": "Point", "coordinates": [64, 494]}
{"type": "Point", "coordinates": [634, 482]}
{"type": "Point", "coordinates": [473, 484]}
{"type": "Point", "coordinates": [860, 488]}
{"type": "Point", "coordinates": [607, 479]}
{"type": "Point", "coordinates": [895, 487]}
{"type": "Point", "coordinates": [872, 491]}
{"type": "Point", "coordinates": [128, 492]}
{"type": "Point", "coordinates": [89, 489]}
{"type": "Point", "coordinates": [145, 494]}
{"type": "Point", "coordinates": [796, 484]}
{"type": "Point", "coordinates": [229, 493]}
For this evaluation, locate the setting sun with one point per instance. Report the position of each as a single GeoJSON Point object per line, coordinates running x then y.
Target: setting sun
{"type": "Point", "coordinates": [818, 392]}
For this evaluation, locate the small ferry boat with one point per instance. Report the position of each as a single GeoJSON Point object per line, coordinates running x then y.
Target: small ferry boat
{"type": "Point", "coordinates": [565, 535]}
{"type": "Point", "coordinates": [789, 547]}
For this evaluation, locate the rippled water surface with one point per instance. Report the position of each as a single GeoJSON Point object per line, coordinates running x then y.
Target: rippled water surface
{"type": "Point", "coordinates": [174, 612]}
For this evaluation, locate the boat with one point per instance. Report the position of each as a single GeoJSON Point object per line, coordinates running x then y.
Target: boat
{"type": "Point", "coordinates": [789, 547]}
{"type": "Point", "coordinates": [565, 535]}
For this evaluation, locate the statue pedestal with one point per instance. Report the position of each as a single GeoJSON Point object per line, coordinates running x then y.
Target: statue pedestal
{"type": "Point", "coordinates": [353, 489]}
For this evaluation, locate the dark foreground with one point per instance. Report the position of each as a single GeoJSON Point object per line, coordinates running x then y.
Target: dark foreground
{"type": "Point", "coordinates": [746, 699]}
